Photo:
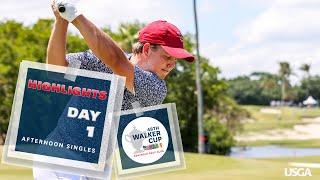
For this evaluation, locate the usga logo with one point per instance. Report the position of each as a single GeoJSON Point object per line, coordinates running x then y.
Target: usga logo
{"type": "Point", "coordinates": [297, 172]}
{"type": "Point", "coordinates": [145, 140]}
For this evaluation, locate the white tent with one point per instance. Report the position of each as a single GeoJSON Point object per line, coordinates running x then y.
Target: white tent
{"type": "Point", "coordinates": [310, 101]}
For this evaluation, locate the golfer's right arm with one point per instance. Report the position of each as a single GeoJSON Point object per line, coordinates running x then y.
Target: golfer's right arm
{"type": "Point", "coordinates": [98, 41]}
{"type": "Point", "coordinates": [56, 50]}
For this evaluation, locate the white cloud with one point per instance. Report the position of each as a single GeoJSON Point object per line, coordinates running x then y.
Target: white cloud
{"type": "Point", "coordinates": [25, 11]}
{"type": "Point", "coordinates": [113, 12]}
{"type": "Point", "coordinates": [101, 12]}
{"type": "Point", "coordinates": [104, 12]}
{"type": "Point", "coordinates": [287, 30]}
{"type": "Point", "coordinates": [283, 21]}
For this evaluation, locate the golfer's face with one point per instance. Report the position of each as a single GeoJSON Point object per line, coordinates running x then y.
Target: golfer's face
{"type": "Point", "coordinates": [162, 62]}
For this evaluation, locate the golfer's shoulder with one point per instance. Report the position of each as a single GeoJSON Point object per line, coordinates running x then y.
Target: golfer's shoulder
{"type": "Point", "coordinates": [80, 56]}
{"type": "Point", "coordinates": [88, 61]}
{"type": "Point", "coordinates": [148, 84]}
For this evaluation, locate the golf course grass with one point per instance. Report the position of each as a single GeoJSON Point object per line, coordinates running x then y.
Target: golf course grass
{"type": "Point", "coordinates": [209, 167]}
{"type": "Point", "coordinates": [288, 117]}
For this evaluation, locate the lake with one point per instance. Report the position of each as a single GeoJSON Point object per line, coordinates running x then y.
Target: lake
{"type": "Point", "coordinates": [271, 151]}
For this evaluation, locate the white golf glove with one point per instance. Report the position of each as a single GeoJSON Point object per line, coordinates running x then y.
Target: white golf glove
{"type": "Point", "coordinates": [67, 10]}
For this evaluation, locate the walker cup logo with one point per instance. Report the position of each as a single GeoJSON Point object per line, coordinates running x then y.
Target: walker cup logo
{"type": "Point", "coordinates": [145, 140]}
{"type": "Point", "coordinates": [149, 141]}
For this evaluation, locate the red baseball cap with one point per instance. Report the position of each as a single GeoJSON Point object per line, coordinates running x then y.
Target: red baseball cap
{"type": "Point", "coordinates": [168, 36]}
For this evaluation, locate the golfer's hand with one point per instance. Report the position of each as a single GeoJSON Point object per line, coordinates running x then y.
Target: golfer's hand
{"type": "Point", "coordinates": [65, 10]}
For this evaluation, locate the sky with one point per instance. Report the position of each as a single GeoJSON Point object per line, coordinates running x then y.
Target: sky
{"type": "Point", "coordinates": [238, 36]}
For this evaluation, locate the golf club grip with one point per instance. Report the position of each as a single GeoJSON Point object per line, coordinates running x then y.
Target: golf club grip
{"type": "Point", "coordinates": [61, 8]}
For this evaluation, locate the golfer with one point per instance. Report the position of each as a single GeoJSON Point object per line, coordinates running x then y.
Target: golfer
{"type": "Point", "coordinates": [159, 45]}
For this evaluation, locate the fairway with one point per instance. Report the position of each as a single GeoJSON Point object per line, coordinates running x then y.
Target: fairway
{"type": "Point", "coordinates": [288, 117]}
{"type": "Point", "coordinates": [284, 126]}
{"type": "Point", "coordinates": [209, 167]}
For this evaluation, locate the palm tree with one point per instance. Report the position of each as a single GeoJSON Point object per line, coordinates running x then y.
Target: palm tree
{"type": "Point", "coordinates": [267, 80]}
{"type": "Point", "coordinates": [285, 72]}
{"type": "Point", "coordinates": [306, 69]}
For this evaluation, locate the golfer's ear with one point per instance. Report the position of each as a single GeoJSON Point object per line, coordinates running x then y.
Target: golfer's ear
{"type": "Point", "coordinates": [146, 49]}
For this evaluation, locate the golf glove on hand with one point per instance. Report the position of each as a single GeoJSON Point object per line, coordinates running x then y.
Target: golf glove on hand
{"type": "Point", "coordinates": [67, 10]}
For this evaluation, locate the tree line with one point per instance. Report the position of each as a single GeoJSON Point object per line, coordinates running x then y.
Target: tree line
{"type": "Point", "coordinates": [260, 88]}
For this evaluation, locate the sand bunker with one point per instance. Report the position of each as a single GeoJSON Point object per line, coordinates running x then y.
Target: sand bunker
{"type": "Point", "coordinates": [310, 130]}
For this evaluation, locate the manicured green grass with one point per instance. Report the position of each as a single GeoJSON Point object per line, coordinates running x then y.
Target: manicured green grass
{"type": "Point", "coordinates": [219, 167]}
{"type": "Point", "coordinates": [206, 167]}
{"type": "Point", "coordinates": [289, 117]}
